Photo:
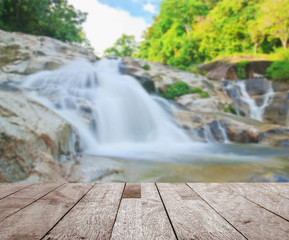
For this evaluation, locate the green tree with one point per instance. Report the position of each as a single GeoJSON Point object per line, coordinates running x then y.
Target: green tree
{"type": "Point", "coordinates": [52, 18]}
{"type": "Point", "coordinates": [275, 19]}
{"type": "Point", "coordinates": [124, 46]}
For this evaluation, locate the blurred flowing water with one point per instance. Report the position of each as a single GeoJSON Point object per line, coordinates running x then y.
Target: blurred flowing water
{"type": "Point", "coordinates": [122, 127]}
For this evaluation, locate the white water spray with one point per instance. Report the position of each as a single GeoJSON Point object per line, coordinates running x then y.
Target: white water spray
{"type": "Point", "coordinates": [255, 111]}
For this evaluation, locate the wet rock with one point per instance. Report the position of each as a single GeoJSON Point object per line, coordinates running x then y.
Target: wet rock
{"type": "Point", "coordinates": [146, 82]}
{"type": "Point", "coordinates": [274, 135]}
{"type": "Point", "coordinates": [219, 126]}
{"type": "Point", "coordinates": [278, 110]}
{"type": "Point", "coordinates": [258, 86]}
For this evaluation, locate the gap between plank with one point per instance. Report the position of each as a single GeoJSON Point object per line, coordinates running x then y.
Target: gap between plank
{"type": "Point", "coordinates": [32, 202]}
{"type": "Point", "coordinates": [265, 208]}
{"type": "Point", "coordinates": [216, 211]}
{"type": "Point", "coordinates": [67, 212]}
{"type": "Point", "coordinates": [166, 212]}
{"type": "Point", "coordinates": [117, 211]}
{"type": "Point", "coordinates": [16, 191]}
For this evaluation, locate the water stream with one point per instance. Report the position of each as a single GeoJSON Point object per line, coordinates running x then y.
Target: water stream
{"type": "Point", "coordinates": [116, 119]}
{"type": "Point", "coordinates": [241, 96]}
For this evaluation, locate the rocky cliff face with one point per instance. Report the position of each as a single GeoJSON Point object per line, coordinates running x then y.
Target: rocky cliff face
{"type": "Point", "coordinates": [35, 144]}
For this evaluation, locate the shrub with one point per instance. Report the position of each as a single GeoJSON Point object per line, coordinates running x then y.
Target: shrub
{"type": "Point", "coordinates": [278, 71]}
{"type": "Point", "coordinates": [146, 67]}
{"type": "Point", "coordinates": [182, 88]}
{"type": "Point", "coordinates": [242, 67]}
{"type": "Point", "coordinates": [230, 109]}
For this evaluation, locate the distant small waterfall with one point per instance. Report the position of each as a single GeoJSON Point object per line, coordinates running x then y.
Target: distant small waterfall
{"type": "Point", "coordinates": [237, 90]}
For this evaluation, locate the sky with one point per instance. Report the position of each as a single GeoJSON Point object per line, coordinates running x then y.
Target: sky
{"type": "Point", "coordinates": [107, 20]}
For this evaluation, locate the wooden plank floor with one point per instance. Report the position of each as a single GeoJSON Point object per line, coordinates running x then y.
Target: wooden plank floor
{"type": "Point", "coordinates": [144, 211]}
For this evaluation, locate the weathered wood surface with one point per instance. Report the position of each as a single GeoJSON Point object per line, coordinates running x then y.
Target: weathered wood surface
{"type": "Point", "coordinates": [142, 217]}
{"type": "Point", "coordinates": [253, 221]}
{"type": "Point", "coordinates": [144, 211]}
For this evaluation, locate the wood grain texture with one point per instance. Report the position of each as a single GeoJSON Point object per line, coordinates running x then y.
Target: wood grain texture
{"type": "Point", "coordinates": [263, 197]}
{"type": "Point", "coordinates": [24, 197]}
{"type": "Point", "coordinates": [281, 189]}
{"type": "Point", "coordinates": [93, 217]}
{"type": "Point", "coordinates": [68, 192]}
{"type": "Point", "coordinates": [143, 218]}
{"type": "Point", "coordinates": [35, 220]}
{"type": "Point", "coordinates": [191, 217]}
{"type": "Point", "coordinates": [7, 189]}
{"type": "Point", "coordinates": [132, 190]}
{"type": "Point", "coordinates": [250, 219]}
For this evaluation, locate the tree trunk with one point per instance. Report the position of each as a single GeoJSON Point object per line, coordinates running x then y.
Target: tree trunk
{"type": "Point", "coordinates": [255, 48]}
{"type": "Point", "coordinates": [284, 43]}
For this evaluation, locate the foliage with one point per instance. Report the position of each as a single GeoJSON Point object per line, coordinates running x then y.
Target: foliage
{"type": "Point", "coordinates": [279, 71]}
{"type": "Point", "coordinates": [188, 32]}
{"type": "Point", "coordinates": [52, 18]}
{"type": "Point", "coordinates": [197, 71]}
{"type": "Point", "coordinates": [242, 69]}
{"type": "Point", "coordinates": [124, 46]}
{"type": "Point", "coordinates": [230, 109]}
{"type": "Point", "coordinates": [146, 67]}
{"type": "Point", "coordinates": [182, 88]}
{"type": "Point", "coordinates": [275, 20]}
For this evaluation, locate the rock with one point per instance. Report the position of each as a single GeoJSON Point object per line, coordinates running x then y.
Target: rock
{"type": "Point", "coordinates": [226, 71]}
{"type": "Point", "coordinates": [223, 70]}
{"type": "Point", "coordinates": [195, 102]}
{"type": "Point", "coordinates": [33, 140]}
{"type": "Point", "coordinates": [258, 86]}
{"type": "Point", "coordinates": [278, 110]}
{"type": "Point", "coordinates": [218, 126]}
{"type": "Point", "coordinates": [163, 75]}
{"type": "Point", "coordinates": [146, 82]}
{"type": "Point", "coordinates": [260, 67]}
{"type": "Point", "coordinates": [280, 86]}
{"type": "Point", "coordinates": [23, 54]}
{"type": "Point", "coordinates": [274, 135]}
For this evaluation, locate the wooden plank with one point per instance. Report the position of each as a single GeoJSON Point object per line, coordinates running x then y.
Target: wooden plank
{"type": "Point", "coordinates": [281, 189]}
{"type": "Point", "coordinates": [263, 197]}
{"type": "Point", "coordinates": [132, 190]}
{"type": "Point", "coordinates": [250, 219]}
{"type": "Point", "coordinates": [68, 192]}
{"type": "Point", "coordinates": [34, 221]}
{"type": "Point", "coordinates": [24, 197]}
{"type": "Point", "coordinates": [192, 218]}
{"type": "Point", "coordinates": [7, 189]}
{"type": "Point", "coordinates": [93, 217]}
{"type": "Point", "coordinates": [143, 218]}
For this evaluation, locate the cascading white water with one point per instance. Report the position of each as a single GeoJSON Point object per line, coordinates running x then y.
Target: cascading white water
{"type": "Point", "coordinates": [110, 111]}
{"type": "Point", "coordinates": [255, 111]}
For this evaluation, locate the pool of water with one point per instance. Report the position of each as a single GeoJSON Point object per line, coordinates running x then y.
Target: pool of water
{"type": "Point", "coordinates": [207, 163]}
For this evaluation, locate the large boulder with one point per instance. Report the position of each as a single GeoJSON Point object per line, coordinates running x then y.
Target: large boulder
{"type": "Point", "coordinates": [34, 141]}
{"type": "Point", "coordinates": [23, 54]}
{"type": "Point", "coordinates": [227, 70]}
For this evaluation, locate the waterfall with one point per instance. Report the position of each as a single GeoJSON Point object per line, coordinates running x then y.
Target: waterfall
{"type": "Point", "coordinates": [110, 111]}
{"type": "Point", "coordinates": [241, 96]}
